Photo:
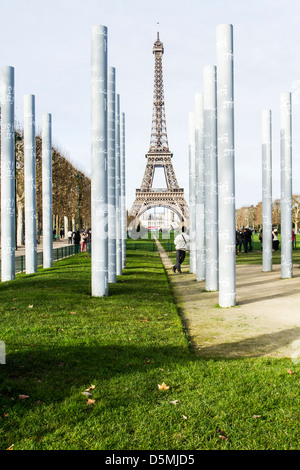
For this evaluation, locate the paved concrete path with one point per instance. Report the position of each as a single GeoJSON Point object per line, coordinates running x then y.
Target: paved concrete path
{"type": "Point", "coordinates": [56, 244]}
{"type": "Point", "coordinates": [265, 321]}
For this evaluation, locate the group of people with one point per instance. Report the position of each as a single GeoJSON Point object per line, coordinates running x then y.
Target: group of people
{"type": "Point", "coordinates": [275, 241]}
{"type": "Point", "coordinates": [78, 238]}
{"type": "Point", "coordinates": [244, 238]}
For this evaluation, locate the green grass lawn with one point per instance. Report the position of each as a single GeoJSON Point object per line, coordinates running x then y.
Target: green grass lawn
{"type": "Point", "coordinates": [61, 344]}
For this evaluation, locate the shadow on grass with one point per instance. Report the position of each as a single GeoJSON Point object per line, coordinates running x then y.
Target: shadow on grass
{"type": "Point", "coordinates": [50, 374]}
{"type": "Point", "coordinates": [257, 346]}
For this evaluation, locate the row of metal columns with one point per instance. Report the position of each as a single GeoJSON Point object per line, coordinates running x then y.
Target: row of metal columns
{"type": "Point", "coordinates": [107, 183]}
{"type": "Point", "coordinates": [8, 173]}
{"type": "Point", "coordinates": [212, 183]}
{"type": "Point", "coordinates": [212, 178]}
{"type": "Point", "coordinates": [108, 209]}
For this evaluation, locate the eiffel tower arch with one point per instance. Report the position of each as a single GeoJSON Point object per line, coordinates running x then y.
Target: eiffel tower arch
{"type": "Point", "coordinates": [159, 156]}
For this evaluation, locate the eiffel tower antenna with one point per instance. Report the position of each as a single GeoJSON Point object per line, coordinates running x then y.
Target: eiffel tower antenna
{"type": "Point", "coordinates": [159, 155]}
{"type": "Point", "coordinates": [159, 138]}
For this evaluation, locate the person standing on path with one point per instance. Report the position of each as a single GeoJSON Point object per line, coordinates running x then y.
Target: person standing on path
{"type": "Point", "coordinates": [181, 244]}
{"type": "Point", "coordinates": [70, 237]}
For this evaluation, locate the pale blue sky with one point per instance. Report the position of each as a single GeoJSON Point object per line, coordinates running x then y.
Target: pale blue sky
{"type": "Point", "coordinates": [48, 43]}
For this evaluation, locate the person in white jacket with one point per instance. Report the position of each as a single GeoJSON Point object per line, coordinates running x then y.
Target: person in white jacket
{"type": "Point", "coordinates": [182, 245]}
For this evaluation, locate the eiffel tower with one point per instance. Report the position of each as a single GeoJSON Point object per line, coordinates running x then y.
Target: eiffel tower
{"type": "Point", "coordinates": [159, 156]}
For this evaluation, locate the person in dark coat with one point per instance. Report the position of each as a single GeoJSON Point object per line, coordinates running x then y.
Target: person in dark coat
{"type": "Point", "coordinates": [77, 241]}
{"type": "Point", "coordinates": [245, 240]}
{"type": "Point", "coordinates": [249, 238]}
{"type": "Point", "coordinates": [240, 239]}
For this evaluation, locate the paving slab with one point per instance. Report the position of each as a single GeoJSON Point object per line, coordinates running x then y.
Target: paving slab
{"type": "Point", "coordinates": [264, 322]}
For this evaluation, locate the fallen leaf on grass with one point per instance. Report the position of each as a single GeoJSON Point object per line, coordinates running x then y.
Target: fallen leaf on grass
{"type": "Point", "coordinates": [90, 401]}
{"type": "Point", "coordinates": [174, 402]}
{"type": "Point", "coordinates": [10, 447]}
{"type": "Point", "coordinates": [73, 313]}
{"type": "Point", "coordinates": [144, 319]}
{"type": "Point", "coordinates": [222, 435]}
{"type": "Point", "coordinates": [290, 372]}
{"type": "Point", "coordinates": [163, 386]}
{"type": "Point", "coordinates": [22, 397]}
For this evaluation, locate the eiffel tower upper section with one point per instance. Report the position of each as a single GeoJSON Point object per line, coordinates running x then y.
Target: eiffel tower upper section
{"type": "Point", "coordinates": [159, 155]}
{"type": "Point", "coordinates": [159, 138]}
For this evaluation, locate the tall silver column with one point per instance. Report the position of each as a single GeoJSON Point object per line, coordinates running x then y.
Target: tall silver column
{"type": "Point", "coordinates": [30, 184]}
{"type": "Point", "coordinates": [118, 190]}
{"type": "Point", "coordinates": [192, 175]}
{"type": "Point", "coordinates": [111, 171]}
{"type": "Point", "coordinates": [267, 188]}
{"type": "Point", "coordinates": [47, 190]}
{"type": "Point", "coordinates": [99, 196]}
{"type": "Point", "coordinates": [286, 184]}
{"type": "Point", "coordinates": [211, 177]}
{"type": "Point", "coordinates": [123, 190]}
{"type": "Point", "coordinates": [8, 196]}
{"type": "Point", "coordinates": [200, 187]}
{"type": "Point", "coordinates": [226, 176]}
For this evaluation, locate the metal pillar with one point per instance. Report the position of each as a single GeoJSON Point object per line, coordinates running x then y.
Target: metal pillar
{"type": "Point", "coordinates": [211, 177]}
{"type": "Point", "coordinates": [99, 196]}
{"type": "Point", "coordinates": [286, 185]}
{"type": "Point", "coordinates": [226, 177]}
{"type": "Point", "coordinates": [192, 176]}
{"type": "Point", "coordinates": [267, 188]}
{"type": "Point", "coordinates": [111, 171]}
{"type": "Point", "coordinates": [47, 190]}
{"type": "Point", "coordinates": [118, 190]}
{"type": "Point", "coordinates": [123, 190]}
{"type": "Point", "coordinates": [30, 184]}
{"type": "Point", "coordinates": [8, 189]}
{"type": "Point", "coordinates": [200, 187]}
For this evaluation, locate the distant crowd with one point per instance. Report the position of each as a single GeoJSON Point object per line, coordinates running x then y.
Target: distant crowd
{"type": "Point", "coordinates": [79, 238]}
{"type": "Point", "coordinates": [244, 239]}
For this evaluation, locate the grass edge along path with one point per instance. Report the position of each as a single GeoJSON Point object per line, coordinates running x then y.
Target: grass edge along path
{"type": "Point", "coordinates": [116, 373]}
